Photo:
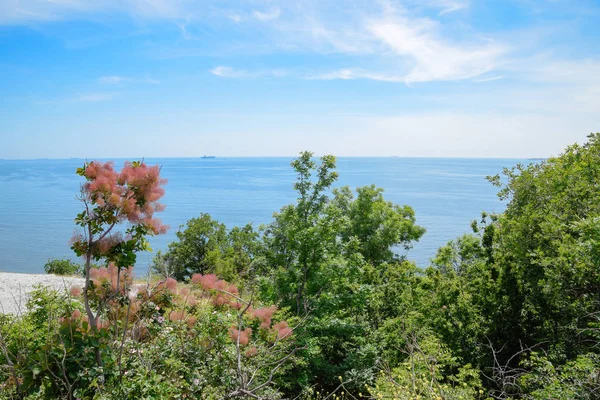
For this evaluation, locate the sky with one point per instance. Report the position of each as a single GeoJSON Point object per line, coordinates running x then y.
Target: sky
{"type": "Point", "coordinates": [409, 78]}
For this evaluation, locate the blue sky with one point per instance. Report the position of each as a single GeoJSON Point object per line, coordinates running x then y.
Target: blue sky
{"type": "Point", "coordinates": [433, 78]}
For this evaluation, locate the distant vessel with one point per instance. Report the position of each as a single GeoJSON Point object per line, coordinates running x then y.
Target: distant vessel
{"type": "Point", "coordinates": [208, 157]}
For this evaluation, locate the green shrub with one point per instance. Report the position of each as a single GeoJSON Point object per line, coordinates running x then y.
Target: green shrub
{"type": "Point", "coordinates": [577, 379]}
{"type": "Point", "coordinates": [426, 374]}
{"type": "Point", "coordinates": [62, 267]}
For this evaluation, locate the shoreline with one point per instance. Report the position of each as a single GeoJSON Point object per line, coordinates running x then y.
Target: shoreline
{"type": "Point", "coordinates": [15, 288]}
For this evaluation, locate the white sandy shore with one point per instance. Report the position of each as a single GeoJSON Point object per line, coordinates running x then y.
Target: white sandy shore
{"type": "Point", "coordinates": [15, 288]}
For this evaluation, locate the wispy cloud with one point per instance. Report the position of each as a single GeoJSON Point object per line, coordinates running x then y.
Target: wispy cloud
{"type": "Point", "coordinates": [236, 18]}
{"type": "Point", "coordinates": [439, 7]}
{"type": "Point", "coordinates": [19, 11]}
{"type": "Point", "coordinates": [267, 15]}
{"type": "Point", "coordinates": [381, 30]}
{"type": "Point", "coordinates": [391, 44]}
{"type": "Point", "coordinates": [93, 97]}
{"type": "Point", "coordinates": [489, 79]}
{"type": "Point", "coordinates": [228, 72]}
{"type": "Point", "coordinates": [115, 80]}
{"type": "Point", "coordinates": [448, 6]}
{"type": "Point", "coordinates": [356, 73]}
{"type": "Point", "coordinates": [111, 79]}
{"type": "Point", "coordinates": [434, 58]}
{"type": "Point", "coordinates": [385, 40]}
{"type": "Point", "coordinates": [24, 11]}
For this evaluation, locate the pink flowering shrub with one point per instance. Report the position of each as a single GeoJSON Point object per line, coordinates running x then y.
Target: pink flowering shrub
{"type": "Point", "coordinates": [264, 315]}
{"type": "Point", "coordinates": [282, 329]}
{"type": "Point", "coordinates": [223, 294]}
{"type": "Point", "coordinates": [243, 336]}
{"type": "Point", "coordinates": [160, 339]}
{"type": "Point", "coordinates": [111, 279]}
{"type": "Point", "coordinates": [111, 198]}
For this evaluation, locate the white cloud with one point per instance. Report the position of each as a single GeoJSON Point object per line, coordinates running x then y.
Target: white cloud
{"type": "Point", "coordinates": [344, 74]}
{"type": "Point", "coordinates": [115, 80]}
{"type": "Point", "coordinates": [441, 7]}
{"type": "Point", "coordinates": [267, 15]}
{"type": "Point", "coordinates": [489, 79]}
{"type": "Point", "coordinates": [23, 11]}
{"type": "Point", "coordinates": [355, 28]}
{"type": "Point", "coordinates": [228, 72]}
{"type": "Point", "coordinates": [434, 58]}
{"type": "Point", "coordinates": [236, 18]}
{"type": "Point", "coordinates": [356, 73]}
{"type": "Point", "coordinates": [93, 97]}
{"type": "Point", "coordinates": [166, 9]}
{"type": "Point", "coordinates": [395, 44]}
{"type": "Point", "coordinates": [388, 40]}
{"type": "Point", "coordinates": [449, 6]}
{"type": "Point", "coordinates": [111, 79]}
{"type": "Point", "coordinates": [359, 28]}
{"type": "Point", "coordinates": [413, 48]}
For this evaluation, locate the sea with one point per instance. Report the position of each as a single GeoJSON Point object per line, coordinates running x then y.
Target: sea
{"type": "Point", "coordinates": [38, 199]}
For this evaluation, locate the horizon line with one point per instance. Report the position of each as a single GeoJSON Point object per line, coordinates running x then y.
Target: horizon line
{"type": "Point", "coordinates": [282, 156]}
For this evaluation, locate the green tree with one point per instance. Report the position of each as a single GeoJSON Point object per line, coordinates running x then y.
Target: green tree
{"type": "Point", "coordinates": [459, 295]}
{"type": "Point", "coordinates": [192, 253]}
{"type": "Point", "coordinates": [379, 226]}
{"type": "Point", "coordinates": [301, 242]}
{"type": "Point", "coordinates": [328, 257]}
{"type": "Point", "coordinates": [206, 246]}
{"type": "Point", "coordinates": [546, 251]}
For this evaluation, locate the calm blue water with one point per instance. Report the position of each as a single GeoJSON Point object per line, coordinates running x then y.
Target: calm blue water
{"type": "Point", "coordinates": [38, 198]}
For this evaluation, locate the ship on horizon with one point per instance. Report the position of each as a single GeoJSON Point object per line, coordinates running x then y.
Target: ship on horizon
{"type": "Point", "coordinates": [205, 156]}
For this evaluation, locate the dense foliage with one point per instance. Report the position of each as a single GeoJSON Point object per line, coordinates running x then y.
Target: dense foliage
{"type": "Point", "coordinates": [322, 301]}
{"type": "Point", "coordinates": [207, 245]}
{"type": "Point", "coordinates": [62, 267]}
